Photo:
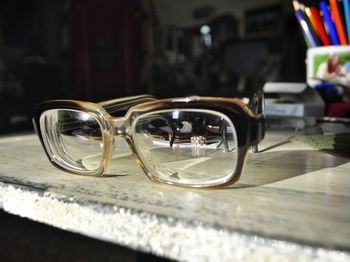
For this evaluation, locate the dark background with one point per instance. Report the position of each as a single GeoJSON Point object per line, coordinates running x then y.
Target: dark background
{"type": "Point", "coordinates": [102, 49]}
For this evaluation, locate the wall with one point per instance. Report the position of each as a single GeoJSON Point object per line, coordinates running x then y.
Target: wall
{"type": "Point", "coordinates": [183, 14]}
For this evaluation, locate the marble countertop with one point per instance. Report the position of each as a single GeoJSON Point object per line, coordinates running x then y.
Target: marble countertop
{"type": "Point", "coordinates": [292, 203]}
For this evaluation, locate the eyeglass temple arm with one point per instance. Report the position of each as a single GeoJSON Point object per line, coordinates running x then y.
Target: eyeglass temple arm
{"type": "Point", "coordinates": [119, 106]}
{"type": "Point", "coordinates": [256, 102]}
{"type": "Point", "coordinates": [256, 105]}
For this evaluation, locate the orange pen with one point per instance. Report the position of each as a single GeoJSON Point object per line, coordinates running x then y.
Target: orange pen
{"type": "Point", "coordinates": [338, 22]}
{"type": "Point", "coordinates": [311, 18]}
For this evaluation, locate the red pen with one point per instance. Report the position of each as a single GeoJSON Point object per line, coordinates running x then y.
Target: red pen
{"type": "Point", "coordinates": [321, 31]}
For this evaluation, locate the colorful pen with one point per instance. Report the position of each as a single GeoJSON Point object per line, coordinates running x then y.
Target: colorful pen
{"type": "Point", "coordinates": [311, 18]}
{"type": "Point", "coordinates": [338, 22]}
{"type": "Point", "coordinates": [321, 31]}
{"type": "Point", "coordinates": [346, 4]}
{"type": "Point", "coordinates": [328, 21]}
{"type": "Point", "coordinates": [305, 25]}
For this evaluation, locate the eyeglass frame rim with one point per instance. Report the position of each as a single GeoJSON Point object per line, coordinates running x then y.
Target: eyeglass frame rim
{"type": "Point", "coordinates": [105, 120]}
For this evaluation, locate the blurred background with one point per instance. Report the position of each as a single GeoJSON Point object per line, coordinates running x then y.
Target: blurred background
{"type": "Point", "coordinates": [102, 49]}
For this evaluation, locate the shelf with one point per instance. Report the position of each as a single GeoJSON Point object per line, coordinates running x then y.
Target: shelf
{"type": "Point", "coordinates": [292, 203]}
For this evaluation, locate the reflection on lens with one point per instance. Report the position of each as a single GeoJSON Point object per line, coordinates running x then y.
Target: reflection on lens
{"type": "Point", "coordinates": [187, 146]}
{"type": "Point", "coordinates": [74, 137]}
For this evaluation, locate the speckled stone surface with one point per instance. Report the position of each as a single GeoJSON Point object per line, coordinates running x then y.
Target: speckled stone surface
{"type": "Point", "coordinates": [291, 204]}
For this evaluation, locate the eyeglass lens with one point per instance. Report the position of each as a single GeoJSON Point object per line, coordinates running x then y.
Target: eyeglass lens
{"type": "Point", "coordinates": [74, 137]}
{"type": "Point", "coordinates": [187, 146]}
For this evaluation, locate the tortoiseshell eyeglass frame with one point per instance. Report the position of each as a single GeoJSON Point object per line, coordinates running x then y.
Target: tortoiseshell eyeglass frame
{"type": "Point", "coordinates": [115, 118]}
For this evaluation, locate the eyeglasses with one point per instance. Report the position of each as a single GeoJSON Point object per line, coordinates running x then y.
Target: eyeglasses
{"type": "Point", "coordinates": [192, 141]}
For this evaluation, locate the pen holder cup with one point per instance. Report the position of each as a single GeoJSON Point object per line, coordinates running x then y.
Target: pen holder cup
{"type": "Point", "coordinates": [328, 64]}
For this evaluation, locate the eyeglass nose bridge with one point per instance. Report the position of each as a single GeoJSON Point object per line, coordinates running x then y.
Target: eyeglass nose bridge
{"type": "Point", "coordinates": [120, 126]}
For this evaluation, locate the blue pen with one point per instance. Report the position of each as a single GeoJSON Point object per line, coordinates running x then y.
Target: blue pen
{"type": "Point", "coordinates": [307, 28]}
{"type": "Point", "coordinates": [347, 16]}
{"type": "Point", "coordinates": [329, 23]}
